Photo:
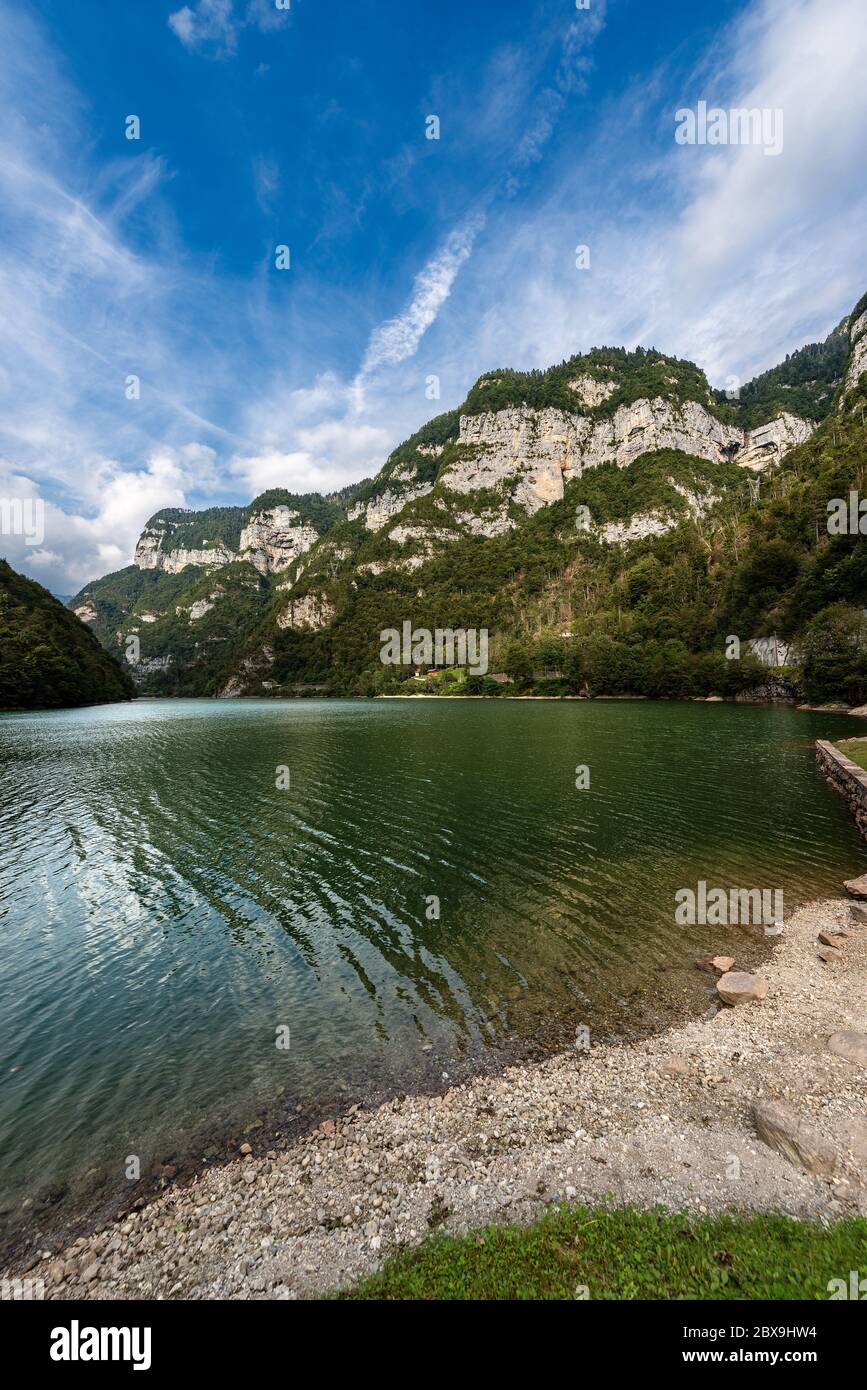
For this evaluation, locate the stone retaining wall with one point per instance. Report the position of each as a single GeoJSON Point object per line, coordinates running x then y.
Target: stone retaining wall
{"type": "Point", "coordinates": [846, 777]}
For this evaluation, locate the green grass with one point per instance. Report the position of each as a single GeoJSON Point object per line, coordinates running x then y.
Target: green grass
{"type": "Point", "coordinates": [856, 749]}
{"type": "Point", "coordinates": [625, 1253]}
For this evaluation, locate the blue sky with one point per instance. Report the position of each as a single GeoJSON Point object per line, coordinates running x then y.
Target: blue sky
{"type": "Point", "coordinates": [410, 257]}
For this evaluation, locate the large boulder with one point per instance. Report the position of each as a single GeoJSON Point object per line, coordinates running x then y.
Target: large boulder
{"type": "Point", "coordinates": [778, 1125]}
{"type": "Point", "coordinates": [857, 886]}
{"type": "Point", "coordinates": [851, 1045]}
{"type": "Point", "coordinates": [739, 987]}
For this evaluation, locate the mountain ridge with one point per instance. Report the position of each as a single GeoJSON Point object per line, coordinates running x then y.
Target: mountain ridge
{"type": "Point", "coordinates": [646, 441]}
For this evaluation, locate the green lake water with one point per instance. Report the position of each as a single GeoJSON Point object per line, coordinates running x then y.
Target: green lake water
{"type": "Point", "coordinates": [168, 913]}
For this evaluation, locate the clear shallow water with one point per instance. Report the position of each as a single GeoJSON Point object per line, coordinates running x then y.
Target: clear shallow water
{"type": "Point", "coordinates": [164, 908]}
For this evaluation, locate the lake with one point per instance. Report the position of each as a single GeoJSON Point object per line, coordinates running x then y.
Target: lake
{"type": "Point", "coordinates": [211, 911]}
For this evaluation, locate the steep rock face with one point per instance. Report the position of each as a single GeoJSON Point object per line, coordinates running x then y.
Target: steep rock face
{"type": "Point", "coordinates": [403, 535]}
{"type": "Point", "coordinates": [201, 606]}
{"type": "Point", "coordinates": [637, 528]}
{"type": "Point", "coordinates": [659, 521]}
{"type": "Point", "coordinates": [590, 391]}
{"type": "Point", "coordinates": [274, 538]}
{"type": "Point", "coordinates": [86, 612]}
{"type": "Point", "coordinates": [858, 358]}
{"type": "Point", "coordinates": [251, 671]}
{"type": "Point", "coordinates": [486, 522]}
{"type": "Point", "coordinates": [768, 443]}
{"type": "Point", "coordinates": [527, 450]}
{"type": "Point", "coordinates": [645, 426]}
{"type": "Point", "coordinates": [271, 540]}
{"type": "Point", "coordinates": [150, 554]}
{"type": "Point", "coordinates": [533, 454]}
{"type": "Point", "coordinates": [313, 611]}
{"type": "Point", "coordinates": [382, 508]}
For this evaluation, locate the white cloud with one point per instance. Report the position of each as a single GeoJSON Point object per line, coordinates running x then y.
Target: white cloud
{"type": "Point", "coordinates": [266, 15]}
{"type": "Point", "coordinates": [78, 548]}
{"type": "Point", "coordinates": [215, 25]}
{"type": "Point", "coordinates": [208, 22]}
{"type": "Point", "coordinates": [331, 454]}
{"type": "Point", "coordinates": [807, 58]}
{"type": "Point", "coordinates": [398, 338]}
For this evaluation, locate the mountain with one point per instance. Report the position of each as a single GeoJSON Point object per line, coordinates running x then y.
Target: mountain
{"type": "Point", "coordinates": [48, 658]}
{"type": "Point", "coordinates": [611, 522]}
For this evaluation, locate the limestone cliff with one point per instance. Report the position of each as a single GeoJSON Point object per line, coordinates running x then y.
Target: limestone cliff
{"type": "Point", "coordinates": [270, 539]}
{"type": "Point", "coordinates": [273, 538]}
{"type": "Point", "coordinates": [535, 454]}
{"type": "Point", "coordinates": [531, 454]}
{"type": "Point", "coordinates": [153, 553]}
{"type": "Point", "coordinates": [858, 357]}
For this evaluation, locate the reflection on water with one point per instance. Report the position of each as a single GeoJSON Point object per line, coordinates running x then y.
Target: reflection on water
{"type": "Point", "coordinates": [166, 907]}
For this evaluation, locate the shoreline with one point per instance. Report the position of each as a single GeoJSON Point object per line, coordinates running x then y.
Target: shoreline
{"type": "Point", "coordinates": [664, 1119]}
{"type": "Point", "coordinates": [852, 711]}
{"type": "Point", "coordinates": [66, 1216]}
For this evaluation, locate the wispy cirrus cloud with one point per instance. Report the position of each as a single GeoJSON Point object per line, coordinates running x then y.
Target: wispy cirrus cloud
{"type": "Point", "coordinates": [398, 338]}
{"type": "Point", "coordinates": [715, 253]}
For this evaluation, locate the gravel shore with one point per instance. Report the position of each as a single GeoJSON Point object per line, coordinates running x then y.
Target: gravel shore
{"type": "Point", "coordinates": [666, 1120]}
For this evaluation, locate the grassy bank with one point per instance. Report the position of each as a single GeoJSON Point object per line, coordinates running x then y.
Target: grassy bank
{"type": "Point", "coordinates": [856, 749]}
{"type": "Point", "coordinates": [625, 1253]}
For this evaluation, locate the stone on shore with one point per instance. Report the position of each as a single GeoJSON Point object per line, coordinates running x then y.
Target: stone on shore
{"type": "Point", "coordinates": [715, 965]}
{"type": "Point", "coordinates": [830, 954]}
{"type": "Point", "coordinates": [778, 1125]}
{"type": "Point", "coordinates": [849, 1044]}
{"type": "Point", "coordinates": [739, 987]}
{"type": "Point", "coordinates": [676, 1066]}
{"type": "Point", "coordinates": [857, 887]}
{"type": "Point", "coordinates": [834, 936]}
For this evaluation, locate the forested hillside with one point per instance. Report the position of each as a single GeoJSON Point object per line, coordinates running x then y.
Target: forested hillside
{"type": "Point", "coordinates": [47, 656]}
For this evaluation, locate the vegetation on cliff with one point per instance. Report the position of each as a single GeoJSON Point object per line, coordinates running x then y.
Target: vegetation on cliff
{"type": "Point", "coordinates": [804, 384]}
{"type": "Point", "coordinates": [48, 658]}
